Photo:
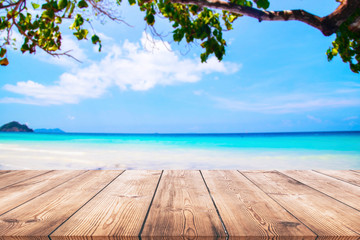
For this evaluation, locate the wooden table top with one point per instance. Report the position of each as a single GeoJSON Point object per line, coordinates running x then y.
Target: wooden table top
{"type": "Point", "coordinates": [190, 204]}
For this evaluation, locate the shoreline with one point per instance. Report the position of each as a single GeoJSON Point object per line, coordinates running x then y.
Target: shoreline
{"type": "Point", "coordinates": [25, 156]}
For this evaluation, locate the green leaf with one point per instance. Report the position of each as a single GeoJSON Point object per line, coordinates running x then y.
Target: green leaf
{"type": "Point", "coordinates": [62, 4]}
{"type": "Point", "coordinates": [4, 62]}
{"type": "Point", "coordinates": [232, 18]}
{"type": "Point", "coordinates": [81, 34]}
{"type": "Point", "coordinates": [150, 19]}
{"type": "Point", "coordinates": [71, 9]}
{"type": "Point", "coordinates": [35, 5]}
{"type": "Point", "coordinates": [95, 39]}
{"type": "Point", "coordinates": [46, 6]}
{"type": "Point", "coordinates": [53, 48]}
{"type": "Point", "coordinates": [194, 9]}
{"type": "Point", "coordinates": [24, 48]}
{"type": "Point", "coordinates": [2, 52]}
{"type": "Point", "coordinates": [334, 51]}
{"type": "Point", "coordinates": [83, 4]}
{"type": "Point", "coordinates": [132, 2]}
{"type": "Point", "coordinates": [263, 4]}
{"type": "Point", "coordinates": [204, 57]}
{"type": "Point", "coordinates": [48, 14]}
{"type": "Point", "coordinates": [58, 20]}
{"type": "Point", "coordinates": [79, 20]}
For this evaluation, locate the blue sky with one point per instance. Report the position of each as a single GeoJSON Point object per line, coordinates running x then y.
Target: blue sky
{"type": "Point", "coordinates": [274, 78]}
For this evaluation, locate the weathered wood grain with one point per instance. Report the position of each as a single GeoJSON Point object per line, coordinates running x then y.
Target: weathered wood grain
{"type": "Point", "coordinates": [324, 215]}
{"type": "Point", "coordinates": [80, 208]}
{"type": "Point", "coordinates": [16, 194]}
{"type": "Point", "coordinates": [342, 191]}
{"type": "Point", "coordinates": [344, 175]}
{"type": "Point", "coordinates": [4, 171]}
{"type": "Point", "coordinates": [182, 207]}
{"type": "Point", "coordinates": [94, 238]}
{"type": "Point", "coordinates": [119, 210]}
{"type": "Point", "coordinates": [42, 215]}
{"type": "Point", "coordinates": [23, 238]}
{"type": "Point", "coordinates": [247, 211]}
{"type": "Point", "coordinates": [18, 176]}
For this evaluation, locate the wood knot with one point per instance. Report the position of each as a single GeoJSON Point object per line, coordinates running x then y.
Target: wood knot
{"type": "Point", "coordinates": [11, 220]}
{"type": "Point", "coordinates": [289, 224]}
{"type": "Point", "coordinates": [293, 181]}
{"type": "Point", "coordinates": [128, 196]}
{"type": "Point", "coordinates": [31, 220]}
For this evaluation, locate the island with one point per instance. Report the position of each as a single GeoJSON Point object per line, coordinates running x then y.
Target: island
{"type": "Point", "coordinates": [15, 127]}
{"type": "Point", "coordinates": [49, 130]}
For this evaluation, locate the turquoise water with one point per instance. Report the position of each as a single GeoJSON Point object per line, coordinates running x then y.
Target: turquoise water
{"type": "Point", "coordinates": [336, 150]}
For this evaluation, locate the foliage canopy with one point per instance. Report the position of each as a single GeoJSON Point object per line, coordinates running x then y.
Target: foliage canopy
{"type": "Point", "coordinates": [39, 21]}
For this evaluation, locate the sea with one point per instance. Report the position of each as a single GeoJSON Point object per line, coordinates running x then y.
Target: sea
{"type": "Point", "coordinates": [243, 151]}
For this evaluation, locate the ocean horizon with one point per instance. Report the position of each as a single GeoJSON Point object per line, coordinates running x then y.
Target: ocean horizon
{"type": "Point", "coordinates": [245, 151]}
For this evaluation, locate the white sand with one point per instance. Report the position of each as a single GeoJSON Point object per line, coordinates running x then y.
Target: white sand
{"type": "Point", "coordinates": [16, 156]}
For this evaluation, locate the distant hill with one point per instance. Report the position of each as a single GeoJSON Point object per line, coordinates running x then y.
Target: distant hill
{"type": "Point", "coordinates": [49, 130]}
{"type": "Point", "coordinates": [15, 127]}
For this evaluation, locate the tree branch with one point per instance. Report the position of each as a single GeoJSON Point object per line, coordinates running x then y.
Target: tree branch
{"type": "Point", "coordinates": [47, 51]}
{"type": "Point", "coordinates": [9, 5]}
{"type": "Point", "coordinates": [327, 25]}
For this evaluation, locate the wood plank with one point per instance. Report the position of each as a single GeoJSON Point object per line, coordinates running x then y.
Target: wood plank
{"type": "Point", "coordinates": [23, 238]}
{"type": "Point", "coordinates": [18, 176]}
{"type": "Point", "coordinates": [344, 175]}
{"type": "Point", "coordinates": [248, 211]}
{"type": "Point", "coordinates": [349, 193]}
{"type": "Point", "coordinates": [182, 207]}
{"type": "Point", "coordinates": [189, 238]}
{"type": "Point", "coordinates": [16, 194]}
{"type": "Point", "coordinates": [42, 215]}
{"type": "Point", "coordinates": [4, 171]}
{"type": "Point", "coordinates": [324, 215]}
{"type": "Point", "coordinates": [119, 210]}
{"type": "Point", "coordinates": [106, 238]}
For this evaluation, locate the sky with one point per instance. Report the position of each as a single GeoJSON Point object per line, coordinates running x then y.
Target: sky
{"type": "Point", "coordinates": [275, 77]}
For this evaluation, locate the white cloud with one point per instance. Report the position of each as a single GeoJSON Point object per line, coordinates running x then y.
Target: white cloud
{"type": "Point", "coordinates": [314, 119]}
{"type": "Point", "coordinates": [198, 92]}
{"type": "Point", "coordinates": [130, 66]}
{"type": "Point", "coordinates": [71, 117]}
{"type": "Point", "coordinates": [284, 106]}
{"type": "Point", "coordinates": [104, 37]}
{"type": "Point", "coordinates": [352, 84]}
{"type": "Point", "coordinates": [351, 118]}
{"type": "Point", "coordinates": [351, 90]}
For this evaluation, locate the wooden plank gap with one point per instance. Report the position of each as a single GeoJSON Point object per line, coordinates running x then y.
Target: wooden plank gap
{"type": "Point", "coordinates": [4, 171]}
{"type": "Point", "coordinates": [319, 191]}
{"type": "Point", "coordinates": [338, 178]}
{"type": "Point", "coordinates": [326, 216]}
{"type": "Point", "coordinates": [182, 208]}
{"type": "Point", "coordinates": [85, 203]}
{"type": "Point", "coordinates": [216, 208]}
{"type": "Point", "coordinates": [280, 205]}
{"type": "Point", "coordinates": [345, 175]}
{"type": "Point", "coordinates": [29, 195]}
{"type": "Point", "coordinates": [151, 202]}
{"type": "Point", "coordinates": [119, 210]}
{"type": "Point", "coordinates": [15, 172]}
